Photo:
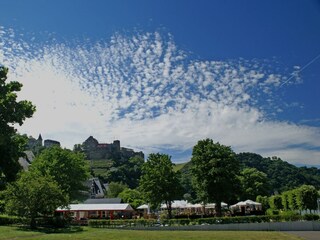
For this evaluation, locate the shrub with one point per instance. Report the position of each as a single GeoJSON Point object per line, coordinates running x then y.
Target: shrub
{"type": "Point", "coordinates": [284, 217]}
{"type": "Point", "coordinates": [311, 217]}
{"type": "Point", "coordinates": [8, 220]}
{"type": "Point", "coordinates": [271, 212]}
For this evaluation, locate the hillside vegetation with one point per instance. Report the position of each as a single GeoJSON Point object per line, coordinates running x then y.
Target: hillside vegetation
{"type": "Point", "coordinates": [282, 175]}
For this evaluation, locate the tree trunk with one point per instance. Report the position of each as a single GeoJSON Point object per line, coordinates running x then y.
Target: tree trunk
{"type": "Point", "coordinates": [168, 203]}
{"type": "Point", "coordinates": [33, 223]}
{"type": "Point", "coordinates": [218, 209]}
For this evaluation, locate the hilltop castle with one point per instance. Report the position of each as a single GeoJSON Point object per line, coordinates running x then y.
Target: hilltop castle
{"type": "Point", "coordinates": [95, 150]}
{"type": "Point", "coordinates": [35, 144]}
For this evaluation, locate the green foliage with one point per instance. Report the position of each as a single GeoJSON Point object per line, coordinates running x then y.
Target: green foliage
{"type": "Point", "coordinates": [306, 197]}
{"type": "Point", "coordinates": [12, 112]}
{"type": "Point", "coordinates": [131, 223]}
{"type": "Point", "coordinates": [292, 202]}
{"type": "Point", "coordinates": [33, 195]}
{"type": "Point", "coordinates": [159, 182]}
{"type": "Point", "coordinates": [264, 202]}
{"type": "Point", "coordinates": [9, 220]}
{"type": "Point", "coordinates": [282, 175]}
{"type": "Point", "coordinates": [215, 172]}
{"type": "Point", "coordinates": [69, 169]}
{"type": "Point", "coordinates": [311, 217]}
{"type": "Point", "coordinates": [132, 196]}
{"type": "Point", "coordinates": [127, 171]}
{"type": "Point", "coordinates": [290, 215]}
{"type": "Point", "coordinates": [301, 198]}
{"type": "Point", "coordinates": [285, 200]}
{"type": "Point", "coordinates": [275, 202]}
{"type": "Point", "coordinates": [115, 188]}
{"type": "Point", "coordinates": [177, 167]}
{"type": "Point", "coordinates": [185, 178]}
{"type": "Point", "coordinates": [253, 183]}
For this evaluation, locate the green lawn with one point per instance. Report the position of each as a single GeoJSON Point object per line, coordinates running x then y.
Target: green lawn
{"type": "Point", "coordinates": [111, 234]}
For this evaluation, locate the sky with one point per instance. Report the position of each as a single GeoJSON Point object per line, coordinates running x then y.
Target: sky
{"type": "Point", "coordinates": [162, 75]}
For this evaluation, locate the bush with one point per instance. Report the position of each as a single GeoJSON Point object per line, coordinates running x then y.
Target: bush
{"type": "Point", "coordinates": [271, 212]}
{"type": "Point", "coordinates": [284, 217]}
{"type": "Point", "coordinates": [8, 220]}
{"type": "Point", "coordinates": [311, 217]}
{"type": "Point", "coordinates": [290, 216]}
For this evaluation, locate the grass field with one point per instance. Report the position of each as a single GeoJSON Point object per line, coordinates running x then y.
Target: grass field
{"type": "Point", "coordinates": [178, 166]}
{"type": "Point", "coordinates": [112, 234]}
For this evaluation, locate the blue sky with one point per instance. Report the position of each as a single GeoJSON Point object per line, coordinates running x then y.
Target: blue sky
{"type": "Point", "coordinates": [161, 75]}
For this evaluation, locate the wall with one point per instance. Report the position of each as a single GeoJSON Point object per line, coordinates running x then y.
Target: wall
{"type": "Point", "coordinates": [275, 226]}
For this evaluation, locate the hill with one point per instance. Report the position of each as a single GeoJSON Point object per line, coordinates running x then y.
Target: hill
{"type": "Point", "coordinates": [178, 166]}
{"type": "Point", "coordinates": [282, 175]}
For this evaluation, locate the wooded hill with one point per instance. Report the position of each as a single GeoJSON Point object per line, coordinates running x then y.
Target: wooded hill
{"type": "Point", "coordinates": [282, 175]}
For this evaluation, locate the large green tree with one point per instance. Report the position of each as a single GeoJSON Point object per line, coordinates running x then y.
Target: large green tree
{"type": "Point", "coordinates": [114, 188]}
{"type": "Point", "coordinates": [12, 112]}
{"type": "Point", "coordinates": [159, 182]}
{"type": "Point", "coordinates": [128, 172]}
{"type": "Point", "coordinates": [34, 195]}
{"type": "Point", "coordinates": [215, 172]}
{"type": "Point", "coordinates": [69, 169]}
{"type": "Point", "coordinates": [132, 196]}
{"type": "Point", "coordinates": [253, 183]}
{"type": "Point", "coordinates": [306, 197]}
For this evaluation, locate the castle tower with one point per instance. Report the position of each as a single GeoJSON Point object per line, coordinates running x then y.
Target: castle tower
{"type": "Point", "coordinates": [39, 140]}
{"type": "Point", "coordinates": [116, 145]}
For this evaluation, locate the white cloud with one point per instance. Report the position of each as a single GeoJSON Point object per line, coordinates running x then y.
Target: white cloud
{"type": "Point", "coordinates": [146, 92]}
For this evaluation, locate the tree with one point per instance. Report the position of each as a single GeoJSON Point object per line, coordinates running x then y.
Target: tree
{"type": "Point", "coordinates": [134, 171]}
{"type": "Point", "coordinates": [282, 175]}
{"type": "Point", "coordinates": [253, 183]}
{"type": "Point", "coordinates": [215, 172]}
{"type": "Point", "coordinates": [275, 202]}
{"type": "Point", "coordinates": [11, 112]}
{"type": "Point", "coordinates": [132, 196]}
{"type": "Point", "coordinates": [292, 199]}
{"type": "Point", "coordinates": [185, 178]}
{"type": "Point", "coordinates": [159, 182]}
{"type": "Point", "coordinates": [114, 188]}
{"type": "Point", "coordinates": [285, 200]}
{"type": "Point", "coordinates": [69, 169]}
{"type": "Point", "coordinates": [264, 202]}
{"type": "Point", "coordinates": [34, 195]}
{"type": "Point", "coordinates": [306, 197]}
{"type": "Point", "coordinates": [128, 172]}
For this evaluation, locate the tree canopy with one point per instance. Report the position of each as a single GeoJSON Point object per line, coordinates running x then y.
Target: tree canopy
{"type": "Point", "coordinates": [69, 169]}
{"type": "Point", "coordinates": [12, 112]}
{"type": "Point", "coordinates": [115, 188]}
{"type": "Point", "coordinates": [253, 183]}
{"type": "Point", "coordinates": [34, 195]}
{"type": "Point", "coordinates": [159, 182]}
{"type": "Point", "coordinates": [282, 175]}
{"type": "Point", "coordinates": [132, 196]}
{"type": "Point", "coordinates": [215, 172]}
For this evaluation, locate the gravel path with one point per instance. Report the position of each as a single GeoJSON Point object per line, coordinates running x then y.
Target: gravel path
{"type": "Point", "coordinates": [307, 235]}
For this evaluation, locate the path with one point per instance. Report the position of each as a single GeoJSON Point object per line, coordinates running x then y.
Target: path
{"type": "Point", "coordinates": [307, 235]}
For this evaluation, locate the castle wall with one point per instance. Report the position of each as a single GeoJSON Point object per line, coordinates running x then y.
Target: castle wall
{"type": "Point", "coordinates": [96, 150]}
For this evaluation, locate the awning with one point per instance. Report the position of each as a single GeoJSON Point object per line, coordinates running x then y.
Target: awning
{"type": "Point", "coordinates": [97, 207]}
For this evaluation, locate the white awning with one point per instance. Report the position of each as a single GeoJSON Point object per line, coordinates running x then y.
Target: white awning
{"type": "Point", "coordinates": [97, 207]}
{"type": "Point", "coordinates": [144, 206]}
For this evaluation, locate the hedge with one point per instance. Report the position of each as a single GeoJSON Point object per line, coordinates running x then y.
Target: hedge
{"type": "Point", "coordinates": [104, 223]}
{"type": "Point", "coordinates": [8, 220]}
